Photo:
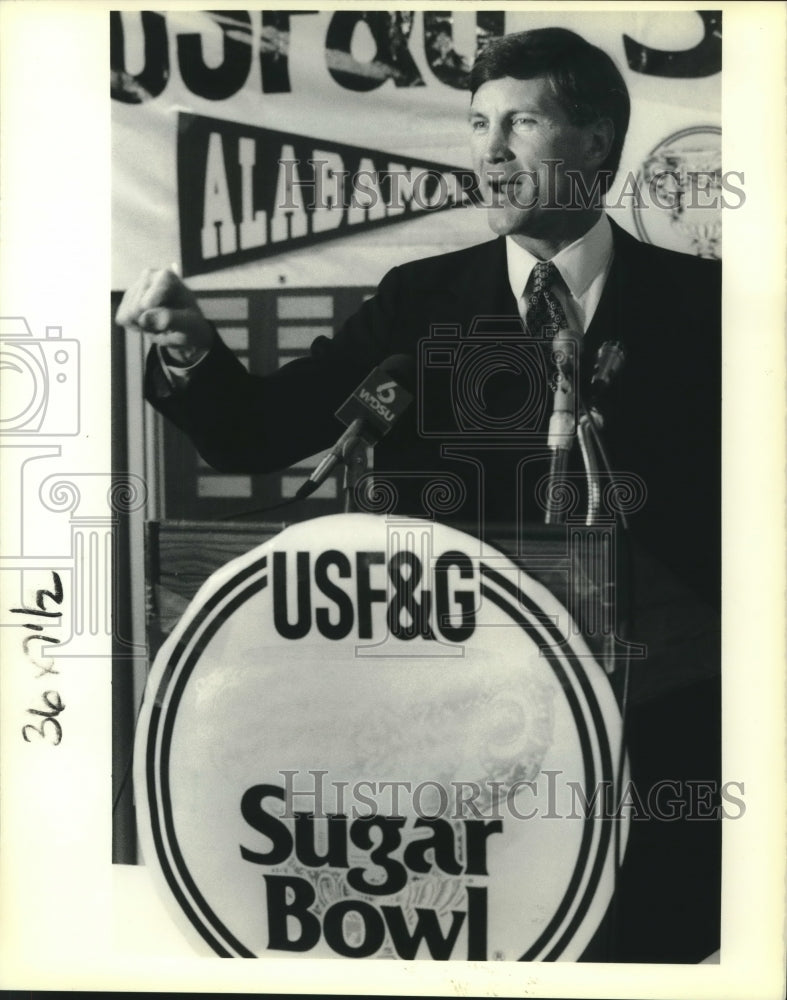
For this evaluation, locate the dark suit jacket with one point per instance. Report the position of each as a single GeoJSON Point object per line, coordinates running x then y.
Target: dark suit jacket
{"type": "Point", "coordinates": [662, 415]}
{"type": "Point", "coordinates": [662, 423]}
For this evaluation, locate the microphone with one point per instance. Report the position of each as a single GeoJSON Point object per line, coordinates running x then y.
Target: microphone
{"type": "Point", "coordinates": [562, 422]}
{"type": "Point", "coordinates": [610, 359]}
{"type": "Point", "coordinates": [370, 412]}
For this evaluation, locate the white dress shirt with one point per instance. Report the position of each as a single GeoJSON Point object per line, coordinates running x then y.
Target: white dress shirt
{"type": "Point", "coordinates": [583, 265]}
{"type": "Point", "coordinates": [177, 376]}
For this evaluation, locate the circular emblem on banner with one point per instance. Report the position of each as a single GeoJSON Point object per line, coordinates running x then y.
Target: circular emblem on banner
{"type": "Point", "coordinates": [379, 738]}
{"type": "Point", "coordinates": [681, 189]}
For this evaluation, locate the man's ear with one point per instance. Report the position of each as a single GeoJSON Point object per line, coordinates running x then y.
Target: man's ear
{"type": "Point", "coordinates": [599, 137]}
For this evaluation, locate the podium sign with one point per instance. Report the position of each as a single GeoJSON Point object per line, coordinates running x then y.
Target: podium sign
{"type": "Point", "coordinates": [375, 737]}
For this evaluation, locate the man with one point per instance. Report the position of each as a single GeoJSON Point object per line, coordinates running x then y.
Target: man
{"type": "Point", "coordinates": [548, 120]}
{"type": "Point", "coordinates": [542, 139]}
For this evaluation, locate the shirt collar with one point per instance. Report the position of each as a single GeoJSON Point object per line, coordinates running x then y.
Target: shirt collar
{"type": "Point", "coordinates": [578, 264]}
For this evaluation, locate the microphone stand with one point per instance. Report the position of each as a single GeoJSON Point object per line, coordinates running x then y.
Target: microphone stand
{"type": "Point", "coordinates": [562, 430]}
{"type": "Point", "coordinates": [355, 457]}
{"type": "Point", "coordinates": [590, 445]}
{"type": "Point", "coordinates": [586, 440]}
{"type": "Point", "coordinates": [557, 471]}
{"type": "Point", "coordinates": [592, 448]}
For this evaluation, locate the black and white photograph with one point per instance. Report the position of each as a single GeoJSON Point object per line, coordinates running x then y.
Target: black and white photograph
{"type": "Point", "coordinates": [393, 490]}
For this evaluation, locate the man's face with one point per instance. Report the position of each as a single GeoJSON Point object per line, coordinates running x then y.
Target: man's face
{"type": "Point", "coordinates": [516, 126]}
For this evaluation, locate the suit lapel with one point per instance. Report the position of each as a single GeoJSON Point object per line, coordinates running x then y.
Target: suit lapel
{"type": "Point", "coordinates": [482, 287]}
{"type": "Point", "coordinates": [613, 317]}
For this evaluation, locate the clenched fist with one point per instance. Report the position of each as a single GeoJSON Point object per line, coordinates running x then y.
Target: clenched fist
{"type": "Point", "coordinates": [160, 304]}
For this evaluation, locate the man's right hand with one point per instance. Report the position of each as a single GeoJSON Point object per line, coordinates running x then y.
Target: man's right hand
{"type": "Point", "coordinates": [158, 303]}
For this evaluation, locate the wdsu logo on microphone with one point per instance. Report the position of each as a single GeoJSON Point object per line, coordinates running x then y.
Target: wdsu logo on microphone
{"type": "Point", "coordinates": [40, 381]}
{"type": "Point", "coordinates": [379, 401]}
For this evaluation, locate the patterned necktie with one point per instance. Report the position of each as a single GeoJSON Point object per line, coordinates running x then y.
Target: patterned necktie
{"type": "Point", "coordinates": [544, 315]}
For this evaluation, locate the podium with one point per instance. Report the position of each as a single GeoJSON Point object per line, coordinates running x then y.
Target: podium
{"type": "Point", "coordinates": [671, 733]}
{"type": "Point", "coordinates": [379, 737]}
{"type": "Point", "coordinates": [583, 567]}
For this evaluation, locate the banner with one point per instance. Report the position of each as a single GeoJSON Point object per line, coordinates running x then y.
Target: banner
{"type": "Point", "coordinates": [321, 148]}
{"type": "Point", "coordinates": [311, 190]}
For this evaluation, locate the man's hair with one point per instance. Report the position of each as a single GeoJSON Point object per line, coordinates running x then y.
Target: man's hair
{"type": "Point", "coordinates": [585, 80]}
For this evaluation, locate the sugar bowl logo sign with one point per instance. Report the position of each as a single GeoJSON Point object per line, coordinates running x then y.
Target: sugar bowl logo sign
{"type": "Point", "coordinates": [370, 738]}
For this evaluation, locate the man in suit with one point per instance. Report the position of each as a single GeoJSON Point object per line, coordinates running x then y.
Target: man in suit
{"type": "Point", "coordinates": [548, 119]}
